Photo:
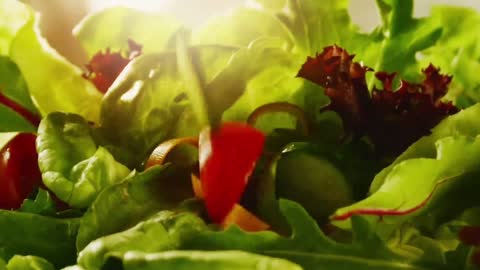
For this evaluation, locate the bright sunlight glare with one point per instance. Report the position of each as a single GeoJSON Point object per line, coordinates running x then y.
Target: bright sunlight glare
{"type": "Point", "coordinates": [190, 12]}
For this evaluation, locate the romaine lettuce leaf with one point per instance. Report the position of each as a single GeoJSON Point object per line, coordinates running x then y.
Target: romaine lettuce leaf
{"type": "Point", "coordinates": [72, 164]}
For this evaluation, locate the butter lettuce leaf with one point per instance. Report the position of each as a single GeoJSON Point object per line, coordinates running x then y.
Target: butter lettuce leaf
{"type": "Point", "coordinates": [123, 205]}
{"type": "Point", "coordinates": [170, 230]}
{"type": "Point", "coordinates": [143, 106]}
{"type": "Point", "coordinates": [73, 166]}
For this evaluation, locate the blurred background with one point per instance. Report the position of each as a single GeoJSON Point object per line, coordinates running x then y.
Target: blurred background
{"type": "Point", "coordinates": [60, 16]}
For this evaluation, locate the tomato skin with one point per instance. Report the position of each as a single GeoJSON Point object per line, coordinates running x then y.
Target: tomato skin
{"type": "Point", "coordinates": [19, 172]}
{"type": "Point", "coordinates": [227, 158]}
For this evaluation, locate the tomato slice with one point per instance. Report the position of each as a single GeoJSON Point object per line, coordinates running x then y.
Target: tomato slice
{"type": "Point", "coordinates": [228, 156]}
{"type": "Point", "coordinates": [19, 172]}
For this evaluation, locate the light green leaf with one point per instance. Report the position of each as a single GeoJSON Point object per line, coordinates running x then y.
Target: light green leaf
{"type": "Point", "coordinates": [316, 24]}
{"type": "Point", "coordinates": [144, 105]}
{"type": "Point", "coordinates": [457, 51]}
{"type": "Point", "coordinates": [14, 15]}
{"type": "Point", "coordinates": [72, 164]}
{"type": "Point", "coordinates": [169, 229]}
{"type": "Point", "coordinates": [310, 247]}
{"type": "Point", "coordinates": [198, 260]}
{"type": "Point", "coordinates": [242, 27]}
{"type": "Point", "coordinates": [6, 137]}
{"type": "Point", "coordinates": [463, 123]}
{"type": "Point", "coordinates": [194, 85]}
{"type": "Point", "coordinates": [29, 263]}
{"type": "Point", "coordinates": [418, 185]}
{"type": "Point", "coordinates": [54, 83]}
{"type": "Point", "coordinates": [247, 80]}
{"type": "Point", "coordinates": [112, 27]}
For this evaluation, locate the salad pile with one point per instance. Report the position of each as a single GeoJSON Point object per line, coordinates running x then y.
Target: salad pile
{"type": "Point", "coordinates": [279, 136]}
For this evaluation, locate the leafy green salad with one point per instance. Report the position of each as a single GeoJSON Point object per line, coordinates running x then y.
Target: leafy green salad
{"type": "Point", "coordinates": [279, 136]}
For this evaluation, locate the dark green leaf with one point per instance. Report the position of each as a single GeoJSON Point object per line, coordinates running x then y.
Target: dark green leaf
{"type": "Point", "coordinates": [46, 237]}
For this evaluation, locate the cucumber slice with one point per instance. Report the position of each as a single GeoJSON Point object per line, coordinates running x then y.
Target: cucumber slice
{"type": "Point", "coordinates": [312, 181]}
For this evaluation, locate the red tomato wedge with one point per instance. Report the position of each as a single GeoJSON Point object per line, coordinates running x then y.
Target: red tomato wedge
{"type": "Point", "coordinates": [227, 156]}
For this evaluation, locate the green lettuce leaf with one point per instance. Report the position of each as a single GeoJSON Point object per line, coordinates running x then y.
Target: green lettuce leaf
{"type": "Point", "coordinates": [311, 248]}
{"type": "Point", "coordinates": [14, 88]}
{"type": "Point", "coordinates": [457, 51]}
{"type": "Point", "coordinates": [316, 24]}
{"type": "Point", "coordinates": [242, 27]}
{"type": "Point", "coordinates": [29, 263]}
{"type": "Point", "coordinates": [421, 185]}
{"type": "Point", "coordinates": [123, 205]}
{"type": "Point", "coordinates": [65, 90]}
{"type": "Point", "coordinates": [42, 204]}
{"type": "Point", "coordinates": [153, 89]}
{"type": "Point", "coordinates": [13, 85]}
{"type": "Point", "coordinates": [463, 123]}
{"type": "Point", "coordinates": [112, 27]}
{"type": "Point", "coordinates": [170, 230]}
{"type": "Point", "coordinates": [31, 234]}
{"type": "Point", "coordinates": [307, 245]}
{"type": "Point", "coordinates": [72, 165]}
{"type": "Point", "coordinates": [214, 260]}
{"type": "Point", "coordinates": [392, 46]}
{"type": "Point", "coordinates": [11, 121]}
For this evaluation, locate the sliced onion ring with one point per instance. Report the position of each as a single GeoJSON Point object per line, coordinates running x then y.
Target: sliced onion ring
{"type": "Point", "coordinates": [285, 107]}
{"type": "Point", "coordinates": [160, 153]}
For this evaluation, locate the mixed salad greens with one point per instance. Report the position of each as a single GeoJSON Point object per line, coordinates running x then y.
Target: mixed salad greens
{"type": "Point", "coordinates": [279, 136]}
